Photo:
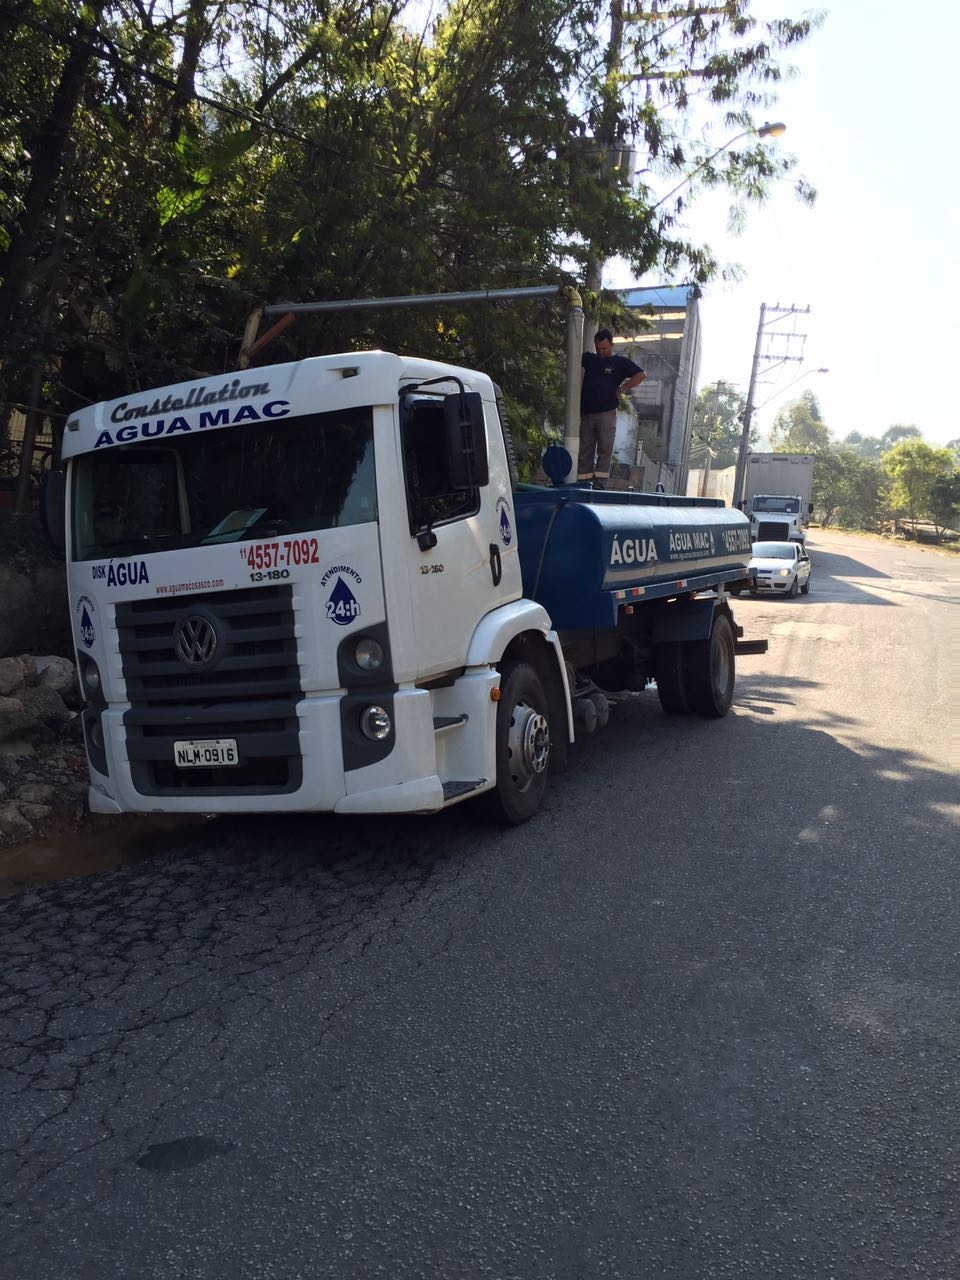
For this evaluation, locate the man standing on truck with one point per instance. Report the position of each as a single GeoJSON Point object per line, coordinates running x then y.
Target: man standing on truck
{"type": "Point", "coordinates": [605, 376]}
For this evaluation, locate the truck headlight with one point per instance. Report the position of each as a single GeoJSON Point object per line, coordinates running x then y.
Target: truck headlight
{"type": "Point", "coordinates": [368, 654]}
{"type": "Point", "coordinates": [90, 674]}
{"type": "Point", "coordinates": [375, 724]}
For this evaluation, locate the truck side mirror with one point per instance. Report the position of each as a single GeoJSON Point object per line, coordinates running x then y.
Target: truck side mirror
{"type": "Point", "coordinates": [466, 439]}
{"type": "Point", "coordinates": [53, 509]}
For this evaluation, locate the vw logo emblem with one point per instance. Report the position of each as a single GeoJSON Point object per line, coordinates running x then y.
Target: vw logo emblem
{"type": "Point", "coordinates": [195, 641]}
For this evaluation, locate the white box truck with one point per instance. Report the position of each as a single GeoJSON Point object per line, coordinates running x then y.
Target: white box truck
{"type": "Point", "coordinates": [778, 493]}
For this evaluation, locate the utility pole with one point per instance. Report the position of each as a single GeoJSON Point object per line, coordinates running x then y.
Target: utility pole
{"type": "Point", "coordinates": [741, 472]}
{"type": "Point", "coordinates": [607, 135]}
{"type": "Point", "coordinates": [705, 472]}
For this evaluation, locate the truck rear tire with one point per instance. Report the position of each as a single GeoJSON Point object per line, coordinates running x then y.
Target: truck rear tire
{"type": "Point", "coordinates": [522, 746]}
{"type": "Point", "coordinates": [710, 670]}
{"type": "Point", "coordinates": [670, 675]}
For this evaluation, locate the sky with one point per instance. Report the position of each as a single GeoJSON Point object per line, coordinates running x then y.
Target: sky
{"type": "Point", "coordinates": [871, 120]}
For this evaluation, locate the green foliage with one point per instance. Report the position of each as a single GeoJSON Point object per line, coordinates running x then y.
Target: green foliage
{"type": "Point", "coordinates": [865, 446]}
{"type": "Point", "coordinates": [896, 433]}
{"type": "Point", "coordinates": [916, 471]}
{"type": "Point", "coordinates": [945, 502]}
{"type": "Point", "coordinates": [875, 446]}
{"type": "Point", "coordinates": [166, 167]}
{"type": "Point", "coordinates": [847, 489]}
{"type": "Point", "coordinates": [23, 545]}
{"type": "Point", "coordinates": [799, 427]}
{"type": "Point", "coordinates": [718, 423]}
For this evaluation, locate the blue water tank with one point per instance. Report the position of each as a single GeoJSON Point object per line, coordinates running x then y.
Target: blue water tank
{"type": "Point", "coordinates": [580, 550]}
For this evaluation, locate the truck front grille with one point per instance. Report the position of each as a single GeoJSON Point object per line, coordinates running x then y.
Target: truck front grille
{"type": "Point", "coordinates": [247, 691]}
{"type": "Point", "coordinates": [773, 530]}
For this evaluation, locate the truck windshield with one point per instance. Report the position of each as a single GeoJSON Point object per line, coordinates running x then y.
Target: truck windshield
{"type": "Point", "coordinates": [791, 506]}
{"type": "Point", "coordinates": [255, 481]}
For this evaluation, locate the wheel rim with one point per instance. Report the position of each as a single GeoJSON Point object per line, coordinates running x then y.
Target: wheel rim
{"type": "Point", "coordinates": [528, 744]}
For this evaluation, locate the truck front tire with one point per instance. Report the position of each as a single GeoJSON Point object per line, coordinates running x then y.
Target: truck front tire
{"type": "Point", "coordinates": [522, 746]}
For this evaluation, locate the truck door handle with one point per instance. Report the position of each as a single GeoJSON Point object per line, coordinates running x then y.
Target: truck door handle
{"type": "Point", "coordinates": [496, 568]}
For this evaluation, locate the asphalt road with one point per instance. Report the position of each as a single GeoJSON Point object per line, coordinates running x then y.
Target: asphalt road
{"type": "Point", "coordinates": [700, 1018]}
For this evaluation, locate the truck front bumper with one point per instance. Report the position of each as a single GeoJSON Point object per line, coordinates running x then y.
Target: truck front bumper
{"type": "Point", "coordinates": [405, 780]}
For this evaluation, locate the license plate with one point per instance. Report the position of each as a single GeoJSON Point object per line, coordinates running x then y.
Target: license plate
{"type": "Point", "coordinates": [205, 753]}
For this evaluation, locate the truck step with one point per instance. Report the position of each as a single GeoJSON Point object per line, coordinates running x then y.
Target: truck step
{"type": "Point", "coordinates": [442, 724]}
{"type": "Point", "coordinates": [454, 790]}
{"type": "Point", "coordinates": [750, 646]}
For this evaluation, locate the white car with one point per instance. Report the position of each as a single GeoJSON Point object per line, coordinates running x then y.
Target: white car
{"type": "Point", "coordinates": [782, 567]}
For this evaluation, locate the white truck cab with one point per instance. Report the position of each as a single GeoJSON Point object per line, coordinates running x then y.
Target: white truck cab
{"type": "Point", "coordinates": [777, 518]}
{"type": "Point", "coordinates": [295, 583]}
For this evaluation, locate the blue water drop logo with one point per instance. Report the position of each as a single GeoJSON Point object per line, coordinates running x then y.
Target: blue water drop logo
{"type": "Point", "coordinates": [506, 533]}
{"type": "Point", "coordinates": [87, 633]}
{"type": "Point", "coordinates": [342, 607]}
{"type": "Point", "coordinates": [506, 529]}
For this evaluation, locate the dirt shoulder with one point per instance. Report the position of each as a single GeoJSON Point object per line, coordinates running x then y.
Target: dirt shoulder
{"type": "Point", "coordinates": [71, 847]}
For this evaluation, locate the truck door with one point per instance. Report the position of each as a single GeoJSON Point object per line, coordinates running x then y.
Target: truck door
{"type": "Point", "coordinates": [463, 542]}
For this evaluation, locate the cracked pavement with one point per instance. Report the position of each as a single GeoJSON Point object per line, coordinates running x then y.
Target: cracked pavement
{"type": "Point", "coordinates": [686, 1023]}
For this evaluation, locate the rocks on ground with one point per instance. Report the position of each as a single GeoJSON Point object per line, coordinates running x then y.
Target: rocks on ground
{"type": "Point", "coordinates": [43, 772]}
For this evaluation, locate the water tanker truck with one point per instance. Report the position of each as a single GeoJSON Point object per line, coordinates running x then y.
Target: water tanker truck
{"type": "Point", "coordinates": [318, 586]}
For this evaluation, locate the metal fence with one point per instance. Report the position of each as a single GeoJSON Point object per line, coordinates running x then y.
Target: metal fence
{"type": "Point", "coordinates": [12, 459]}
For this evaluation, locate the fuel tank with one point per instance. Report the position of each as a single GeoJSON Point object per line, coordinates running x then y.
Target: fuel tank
{"type": "Point", "coordinates": [584, 552]}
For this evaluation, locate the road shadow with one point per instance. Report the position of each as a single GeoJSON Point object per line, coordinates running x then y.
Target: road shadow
{"type": "Point", "coordinates": [842, 566]}
{"type": "Point", "coordinates": [197, 991]}
{"type": "Point", "coordinates": [333, 863]}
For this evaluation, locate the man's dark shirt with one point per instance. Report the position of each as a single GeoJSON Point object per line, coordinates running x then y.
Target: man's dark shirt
{"type": "Point", "coordinates": [601, 378]}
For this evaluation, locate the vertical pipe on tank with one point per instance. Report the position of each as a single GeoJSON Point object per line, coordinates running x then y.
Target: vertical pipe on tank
{"type": "Point", "coordinates": [571, 416]}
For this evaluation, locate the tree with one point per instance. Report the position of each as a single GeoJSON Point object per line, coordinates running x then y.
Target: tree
{"type": "Point", "coordinates": [915, 468]}
{"type": "Point", "coordinates": [899, 432]}
{"type": "Point", "coordinates": [945, 503]}
{"type": "Point", "coordinates": [799, 427]}
{"type": "Point", "coordinates": [718, 422]}
{"type": "Point", "coordinates": [161, 183]}
{"type": "Point", "coordinates": [846, 489]}
{"type": "Point", "coordinates": [865, 446]}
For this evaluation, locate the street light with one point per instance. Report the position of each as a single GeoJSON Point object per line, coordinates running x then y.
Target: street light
{"type": "Point", "coordinates": [800, 376]}
{"type": "Point", "coordinates": [593, 274]}
{"type": "Point", "coordinates": [775, 130]}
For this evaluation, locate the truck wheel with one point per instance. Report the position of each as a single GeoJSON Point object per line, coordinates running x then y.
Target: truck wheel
{"type": "Point", "coordinates": [670, 675]}
{"type": "Point", "coordinates": [710, 668]}
{"type": "Point", "coordinates": [523, 745]}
